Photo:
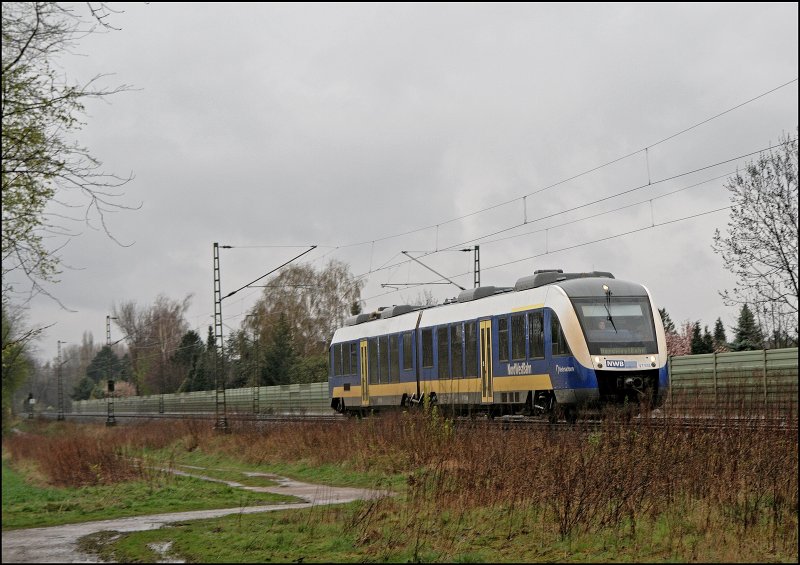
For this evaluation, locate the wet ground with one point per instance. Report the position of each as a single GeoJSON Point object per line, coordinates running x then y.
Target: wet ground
{"type": "Point", "coordinates": [59, 544]}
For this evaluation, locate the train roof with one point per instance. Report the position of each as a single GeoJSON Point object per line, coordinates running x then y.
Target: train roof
{"type": "Point", "coordinates": [594, 287]}
{"type": "Point", "coordinates": [482, 300]}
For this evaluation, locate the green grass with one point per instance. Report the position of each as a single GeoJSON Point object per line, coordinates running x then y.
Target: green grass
{"type": "Point", "coordinates": [230, 468]}
{"type": "Point", "coordinates": [397, 531]}
{"type": "Point", "coordinates": [28, 505]}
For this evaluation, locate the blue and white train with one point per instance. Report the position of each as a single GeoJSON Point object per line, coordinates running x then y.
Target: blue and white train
{"type": "Point", "coordinates": [551, 344]}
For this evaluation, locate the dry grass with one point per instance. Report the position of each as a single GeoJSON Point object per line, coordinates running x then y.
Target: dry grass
{"type": "Point", "coordinates": [737, 484]}
{"type": "Point", "coordinates": [83, 455]}
{"type": "Point", "coordinates": [743, 477]}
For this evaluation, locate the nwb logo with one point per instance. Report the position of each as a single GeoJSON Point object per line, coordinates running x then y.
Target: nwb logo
{"type": "Point", "coordinates": [615, 363]}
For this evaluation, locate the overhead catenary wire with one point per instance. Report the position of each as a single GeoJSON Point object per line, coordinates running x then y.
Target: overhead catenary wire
{"type": "Point", "coordinates": [548, 251]}
{"type": "Point", "coordinates": [583, 244]}
{"type": "Point", "coordinates": [580, 174]}
{"type": "Point", "coordinates": [628, 191]}
{"type": "Point", "coordinates": [333, 249]}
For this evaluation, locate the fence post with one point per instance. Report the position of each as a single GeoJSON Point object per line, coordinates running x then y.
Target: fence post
{"type": "Point", "coordinates": [764, 359]}
{"type": "Point", "coordinates": [671, 384]}
{"type": "Point", "coordinates": [716, 404]}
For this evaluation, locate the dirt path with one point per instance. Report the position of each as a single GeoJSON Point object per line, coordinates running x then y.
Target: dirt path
{"type": "Point", "coordinates": [59, 544]}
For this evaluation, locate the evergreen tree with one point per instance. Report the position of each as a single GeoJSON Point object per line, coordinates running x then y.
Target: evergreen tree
{"type": "Point", "coordinates": [697, 339]}
{"type": "Point", "coordinates": [126, 369]}
{"type": "Point", "coordinates": [708, 341]}
{"type": "Point", "coordinates": [281, 355]}
{"type": "Point", "coordinates": [720, 339]}
{"type": "Point", "coordinates": [203, 377]}
{"type": "Point", "coordinates": [210, 339]}
{"type": "Point", "coordinates": [86, 389]}
{"type": "Point", "coordinates": [701, 341]}
{"type": "Point", "coordinates": [747, 333]}
{"type": "Point", "coordinates": [105, 365]}
{"type": "Point", "coordinates": [669, 325]}
{"type": "Point", "coordinates": [187, 357]}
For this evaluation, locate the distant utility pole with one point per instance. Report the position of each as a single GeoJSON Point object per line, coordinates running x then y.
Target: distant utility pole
{"type": "Point", "coordinates": [477, 265]}
{"type": "Point", "coordinates": [60, 385]}
{"type": "Point", "coordinates": [221, 423]}
{"type": "Point", "coordinates": [110, 420]}
{"type": "Point", "coordinates": [221, 413]}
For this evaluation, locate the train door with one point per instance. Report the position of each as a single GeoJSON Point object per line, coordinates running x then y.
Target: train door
{"type": "Point", "coordinates": [364, 374]}
{"type": "Point", "coordinates": [487, 389]}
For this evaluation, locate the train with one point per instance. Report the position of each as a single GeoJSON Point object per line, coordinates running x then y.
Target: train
{"type": "Point", "coordinates": [552, 345]}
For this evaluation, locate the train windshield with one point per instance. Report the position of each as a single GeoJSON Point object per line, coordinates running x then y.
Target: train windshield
{"type": "Point", "coordinates": [621, 326]}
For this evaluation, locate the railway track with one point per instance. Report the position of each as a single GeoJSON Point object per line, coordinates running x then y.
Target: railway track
{"type": "Point", "coordinates": [685, 422]}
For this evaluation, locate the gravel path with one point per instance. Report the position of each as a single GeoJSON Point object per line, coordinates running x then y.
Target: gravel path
{"type": "Point", "coordinates": [59, 544]}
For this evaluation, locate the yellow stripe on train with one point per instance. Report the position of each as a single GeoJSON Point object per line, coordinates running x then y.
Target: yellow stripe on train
{"type": "Point", "coordinates": [500, 384]}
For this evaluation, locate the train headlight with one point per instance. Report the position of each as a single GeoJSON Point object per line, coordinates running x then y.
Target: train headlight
{"type": "Point", "coordinates": [652, 360]}
{"type": "Point", "coordinates": [597, 361]}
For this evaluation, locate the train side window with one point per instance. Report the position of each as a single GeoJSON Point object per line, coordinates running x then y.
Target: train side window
{"type": "Point", "coordinates": [354, 358]}
{"type": "Point", "coordinates": [471, 348]}
{"type": "Point", "coordinates": [457, 349]}
{"type": "Point", "coordinates": [427, 348]}
{"type": "Point", "coordinates": [345, 359]}
{"type": "Point", "coordinates": [383, 355]}
{"type": "Point", "coordinates": [443, 352]}
{"type": "Point", "coordinates": [502, 338]}
{"type": "Point", "coordinates": [334, 364]}
{"type": "Point", "coordinates": [394, 358]}
{"type": "Point", "coordinates": [373, 360]}
{"type": "Point", "coordinates": [518, 337]}
{"type": "Point", "coordinates": [560, 346]}
{"type": "Point", "coordinates": [407, 352]}
{"type": "Point", "coordinates": [536, 333]}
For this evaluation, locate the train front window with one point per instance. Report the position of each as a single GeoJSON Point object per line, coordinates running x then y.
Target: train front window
{"type": "Point", "coordinates": [621, 326]}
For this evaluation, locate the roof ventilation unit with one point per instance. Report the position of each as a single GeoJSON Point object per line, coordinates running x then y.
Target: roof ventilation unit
{"type": "Point", "coordinates": [396, 311]}
{"type": "Point", "coordinates": [545, 277]}
{"type": "Point", "coordinates": [357, 319]}
{"type": "Point", "coordinates": [481, 292]}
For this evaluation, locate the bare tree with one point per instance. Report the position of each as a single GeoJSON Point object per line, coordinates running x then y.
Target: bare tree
{"type": "Point", "coordinates": [315, 304]}
{"type": "Point", "coordinates": [153, 334]}
{"type": "Point", "coordinates": [760, 246]}
{"type": "Point", "coordinates": [47, 178]}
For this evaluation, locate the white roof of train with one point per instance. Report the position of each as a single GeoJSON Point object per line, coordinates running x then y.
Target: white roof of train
{"type": "Point", "coordinates": [504, 300]}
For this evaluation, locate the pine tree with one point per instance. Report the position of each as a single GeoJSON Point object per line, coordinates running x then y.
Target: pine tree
{"type": "Point", "coordinates": [186, 359]}
{"type": "Point", "coordinates": [281, 355]}
{"type": "Point", "coordinates": [697, 339]}
{"type": "Point", "coordinates": [747, 333]}
{"type": "Point", "coordinates": [669, 325]}
{"type": "Point", "coordinates": [701, 343]}
{"type": "Point", "coordinates": [720, 339]}
{"type": "Point", "coordinates": [105, 365]}
{"type": "Point", "coordinates": [708, 341]}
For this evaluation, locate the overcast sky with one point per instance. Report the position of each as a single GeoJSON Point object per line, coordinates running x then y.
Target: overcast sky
{"type": "Point", "coordinates": [293, 125]}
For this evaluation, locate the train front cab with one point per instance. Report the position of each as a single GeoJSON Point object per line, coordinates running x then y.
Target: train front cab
{"type": "Point", "coordinates": [619, 343]}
